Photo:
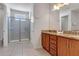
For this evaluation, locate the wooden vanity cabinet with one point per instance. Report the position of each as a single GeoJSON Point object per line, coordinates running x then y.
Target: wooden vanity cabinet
{"type": "Point", "coordinates": [63, 46]}
{"type": "Point", "coordinates": [74, 47]}
{"type": "Point", "coordinates": [68, 47]}
{"type": "Point", "coordinates": [53, 45]}
{"type": "Point", "coordinates": [49, 43]}
{"type": "Point", "coordinates": [59, 45]}
{"type": "Point", "coordinates": [45, 41]}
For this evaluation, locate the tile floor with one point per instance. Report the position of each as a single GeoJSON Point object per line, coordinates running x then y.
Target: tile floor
{"type": "Point", "coordinates": [23, 48]}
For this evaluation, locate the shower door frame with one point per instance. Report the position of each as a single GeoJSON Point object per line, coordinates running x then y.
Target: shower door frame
{"type": "Point", "coordinates": [19, 26]}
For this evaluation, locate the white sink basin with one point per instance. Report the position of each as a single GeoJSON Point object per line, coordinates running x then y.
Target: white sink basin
{"type": "Point", "coordinates": [59, 32]}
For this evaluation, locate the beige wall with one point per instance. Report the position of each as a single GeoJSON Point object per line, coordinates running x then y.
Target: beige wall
{"type": "Point", "coordinates": [2, 23]}
{"type": "Point", "coordinates": [41, 16]}
{"type": "Point", "coordinates": [44, 19]}
{"type": "Point", "coordinates": [54, 19]}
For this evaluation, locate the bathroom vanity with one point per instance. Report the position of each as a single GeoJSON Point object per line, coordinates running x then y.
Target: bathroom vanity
{"type": "Point", "coordinates": [60, 44]}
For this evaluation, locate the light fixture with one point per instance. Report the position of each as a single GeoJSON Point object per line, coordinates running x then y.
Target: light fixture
{"type": "Point", "coordinates": [57, 6]}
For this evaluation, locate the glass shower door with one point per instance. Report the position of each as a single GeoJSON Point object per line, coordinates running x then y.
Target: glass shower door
{"type": "Point", "coordinates": [19, 27]}
{"type": "Point", "coordinates": [14, 29]}
{"type": "Point", "coordinates": [25, 29]}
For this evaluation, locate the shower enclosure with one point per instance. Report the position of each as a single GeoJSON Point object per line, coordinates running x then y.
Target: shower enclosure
{"type": "Point", "coordinates": [18, 26]}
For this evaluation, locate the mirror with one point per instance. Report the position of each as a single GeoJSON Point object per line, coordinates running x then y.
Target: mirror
{"type": "Point", "coordinates": [75, 20]}
{"type": "Point", "coordinates": [69, 17]}
{"type": "Point", "coordinates": [64, 19]}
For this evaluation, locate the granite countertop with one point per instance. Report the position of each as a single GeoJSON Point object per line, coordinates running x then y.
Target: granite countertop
{"type": "Point", "coordinates": [63, 35]}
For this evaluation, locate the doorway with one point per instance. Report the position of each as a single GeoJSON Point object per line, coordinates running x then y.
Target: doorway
{"type": "Point", "coordinates": [64, 23]}
{"type": "Point", "coordinates": [18, 26]}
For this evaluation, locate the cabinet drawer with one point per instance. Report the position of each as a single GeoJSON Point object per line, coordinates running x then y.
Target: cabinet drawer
{"type": "Point", "coordinates": [52, 37]}
{"type": "Point", "coordinates": [53, 49]}
{"type": "Point", "coordinates": [53, 52]}
{"type": "Point", "coordinates": [53, 46]}
{"type": "Point", "coordinates": [52, 41]}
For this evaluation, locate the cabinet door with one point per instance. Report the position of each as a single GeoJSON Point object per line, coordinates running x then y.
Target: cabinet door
{"type": "Point", "coordinates": [63, 48]}
{"type": "Point", "coordinates": [47, 42]}
{"type": "Point", "coordinates": [74, 47]}
{"type": "Point", "coordinates": [43, 40]}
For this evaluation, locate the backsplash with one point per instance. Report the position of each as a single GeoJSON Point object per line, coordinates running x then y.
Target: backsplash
{"type": "Point", "coordinates": [71, 32]}
{"type": "Point", "coordinates": [50, 31]}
